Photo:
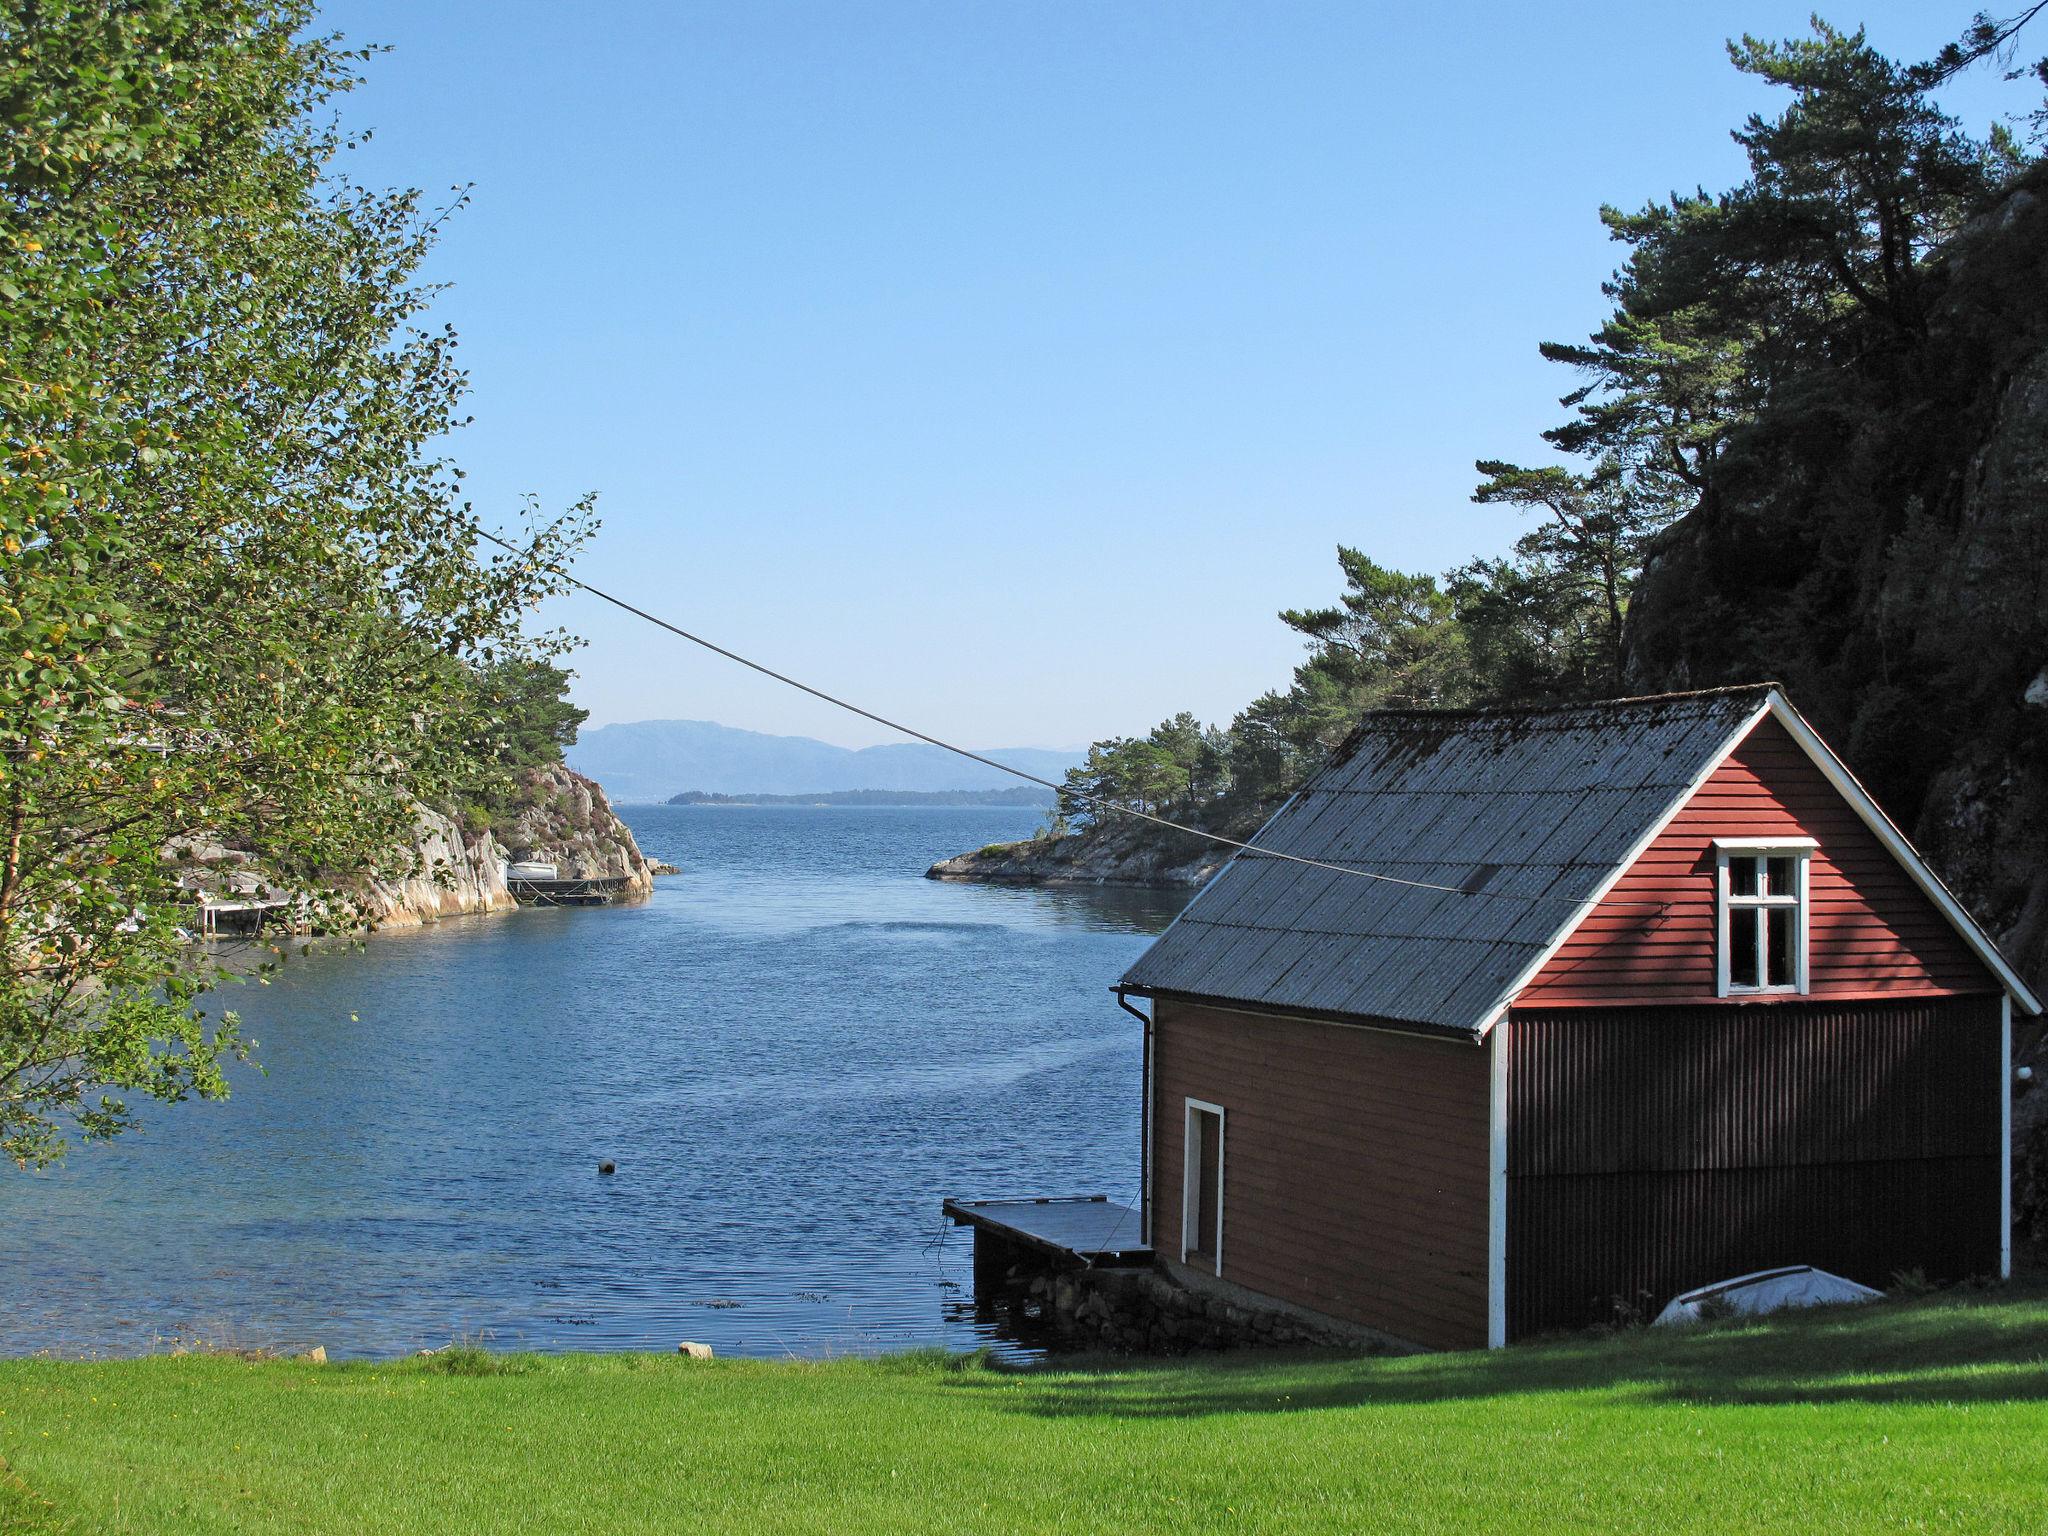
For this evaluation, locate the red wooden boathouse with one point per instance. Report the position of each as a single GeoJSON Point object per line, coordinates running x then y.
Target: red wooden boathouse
{"type": "Point", "coordinates": [1558, 1011]}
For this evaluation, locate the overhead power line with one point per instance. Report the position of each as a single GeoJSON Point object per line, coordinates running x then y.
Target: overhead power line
{"type": "Point", "coordinates": [1093, 802]}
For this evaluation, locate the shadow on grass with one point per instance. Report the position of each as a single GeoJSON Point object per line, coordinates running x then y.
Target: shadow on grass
{"type": "Point", "coordinates": [1946, 1351]}
{"type": "Point", "coordinates": [24, 1512]}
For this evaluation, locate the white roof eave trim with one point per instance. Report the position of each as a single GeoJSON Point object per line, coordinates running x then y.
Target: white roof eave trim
{"type": "Point", "coordinates": [1873, 816]}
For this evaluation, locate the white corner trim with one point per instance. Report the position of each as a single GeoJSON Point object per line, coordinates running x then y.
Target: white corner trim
{"type": "Point", "coordinates": [1558, 940]}
{"type": "Point", "coordinates": [2005, 1137]}
{"type": "Point", "coordinates": [1873, 817]}
{"type": "Point", "coordinates": [1497, 1190]}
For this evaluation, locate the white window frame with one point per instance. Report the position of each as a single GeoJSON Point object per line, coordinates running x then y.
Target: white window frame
{"type": "Point", "coordinates": [1191, 1177]}
{"type": "Point", "coordinates": [1800, 851]}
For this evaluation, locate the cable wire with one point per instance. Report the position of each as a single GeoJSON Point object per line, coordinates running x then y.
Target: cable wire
{"type": "Point", "coordinates": [1093, 802]}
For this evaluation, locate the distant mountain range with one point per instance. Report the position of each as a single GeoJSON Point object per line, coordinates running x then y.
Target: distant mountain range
{"type": "Point", "coordinates": [653, 760]}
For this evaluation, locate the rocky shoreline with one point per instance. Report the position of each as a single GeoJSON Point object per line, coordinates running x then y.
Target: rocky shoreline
{"type": "Point", "coordinates": [1096, 857]}
{"type": "Point", "coordinates": [561, 818]}
{"type": "Point", "coordinates": [557, 816]}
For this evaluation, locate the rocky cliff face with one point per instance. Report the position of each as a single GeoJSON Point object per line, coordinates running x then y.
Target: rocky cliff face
{"type": "Point", "coordinates": [556, 815]}
{"type": "Point", "coordinates": [562, 818]}
{"type": "Point", "coordinates": [1984, 818]}
{"type": "Point", "coordinates": [456, 875]}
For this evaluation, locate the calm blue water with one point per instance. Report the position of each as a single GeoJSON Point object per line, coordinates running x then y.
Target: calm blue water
{"type": "Point", "coordinates": [792, 1053]}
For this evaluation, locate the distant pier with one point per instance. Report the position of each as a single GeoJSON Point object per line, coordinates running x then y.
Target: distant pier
{"type": "Point", "coordinates": [239, 919]}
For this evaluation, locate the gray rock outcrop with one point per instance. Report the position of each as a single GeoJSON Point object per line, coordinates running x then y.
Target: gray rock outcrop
{"type": "Point", "coordinates": [1109, 857]}
{"type": "Point", "coordinates": [556, 816]}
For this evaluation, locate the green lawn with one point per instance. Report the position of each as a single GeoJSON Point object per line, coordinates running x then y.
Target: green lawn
{"type": "Point", "coordinates": [1921, 1415]}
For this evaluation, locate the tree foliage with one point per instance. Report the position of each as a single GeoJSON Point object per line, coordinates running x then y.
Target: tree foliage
{"type": "Point", "coordinates": [524, 701]}
{"type": "Point", "coordinates": [1390, 640]}
{"type": "Point", "coordinates": [1795, 308]}
{"type": "Point", "coordinates": [242, 601]}
{"type": "Point", "coordinates": [1178, 763]}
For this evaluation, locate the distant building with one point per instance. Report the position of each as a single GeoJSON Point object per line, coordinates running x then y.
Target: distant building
{"type": "Point", "coordinates": [1655, 995]}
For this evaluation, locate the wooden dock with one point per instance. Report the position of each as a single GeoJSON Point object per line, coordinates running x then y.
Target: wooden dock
{"type": "Point", "coordinates": [236, 918]}
{"type": "Point", "coordinates": [1086, 1229]}
{"type": "Point", "coordinates": [598, 891]}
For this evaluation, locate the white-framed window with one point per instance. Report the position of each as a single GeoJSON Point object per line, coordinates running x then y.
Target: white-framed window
{"type": "Point", "coordinates": [1201, 1186]}
{"type": "Point", "coordinates": [1761, 911]}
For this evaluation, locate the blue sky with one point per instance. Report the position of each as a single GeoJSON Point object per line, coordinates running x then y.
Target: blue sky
{"type": "Point", "coordinates": [1008, 365]}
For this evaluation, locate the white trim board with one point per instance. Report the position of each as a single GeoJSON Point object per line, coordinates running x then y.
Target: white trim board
{"type": "Point", "coordinates": [1191, 1173]}
{"type": "Point", "coordinates": [1838, 774]}
{"type": "Point", "coordinates": [1497, 1189]}
{"type": "Point", "coordinates": [1558, 940]}
{"type": "Point", "coordinates": [2005, 1137]}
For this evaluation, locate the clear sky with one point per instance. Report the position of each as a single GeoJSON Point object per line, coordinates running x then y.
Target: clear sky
{"type": "Point", "coordinates": [1007, 364]}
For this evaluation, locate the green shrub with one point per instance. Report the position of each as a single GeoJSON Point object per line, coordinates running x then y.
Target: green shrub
{"type": "Point", "coordinates": [474, 1360]}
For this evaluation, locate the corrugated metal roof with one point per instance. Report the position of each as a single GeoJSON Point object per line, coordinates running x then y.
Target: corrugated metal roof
{"type": "Point", "coordinates": [1525, 813]}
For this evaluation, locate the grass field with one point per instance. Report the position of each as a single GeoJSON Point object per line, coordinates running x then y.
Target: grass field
{"type": "Point", "coordinates": [1918, 1415]}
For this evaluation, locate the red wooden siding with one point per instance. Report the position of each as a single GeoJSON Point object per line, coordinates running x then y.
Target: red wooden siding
{"type": "Point", "coordinates": [1654, 1150]}
{"type": "Point", "coordinates": [1873, 932]}
{"type": "Point", "coordinates": [1354, 1166]}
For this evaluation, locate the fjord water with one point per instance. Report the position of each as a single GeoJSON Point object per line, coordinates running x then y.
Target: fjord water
{"type": "Point", "coordinates": [791, 1053]}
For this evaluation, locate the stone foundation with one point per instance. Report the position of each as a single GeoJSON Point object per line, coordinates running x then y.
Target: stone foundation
{"type": "Point", "coordinates": [1148, 1311]}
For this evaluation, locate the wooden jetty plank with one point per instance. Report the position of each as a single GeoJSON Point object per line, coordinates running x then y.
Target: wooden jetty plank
{"type": "Point", "coordinates": [1090, 1227]}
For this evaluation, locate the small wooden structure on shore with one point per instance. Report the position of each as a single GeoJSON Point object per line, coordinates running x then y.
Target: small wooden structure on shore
{"type": "Point", "coordinates": [239, 918]}
{"type": "Point", "coordinates": [1619, 1000]}
{"type": "Point", "coordinates": [1633, 996]}
{"type": "Point", "coordinates": [594, 891]}
{"type": "Point", "coordinates": [1051, 1232]}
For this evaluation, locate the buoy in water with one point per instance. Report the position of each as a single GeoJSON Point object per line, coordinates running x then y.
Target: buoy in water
{"type": "Point", "coordinates": [607, 1166]}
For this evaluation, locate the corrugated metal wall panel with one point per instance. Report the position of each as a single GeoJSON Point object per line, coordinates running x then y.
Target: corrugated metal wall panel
{"type": "Point", "coordinates": [1637, 1240]}
{"type": "Point", "coordinates": [1651, 1150]}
